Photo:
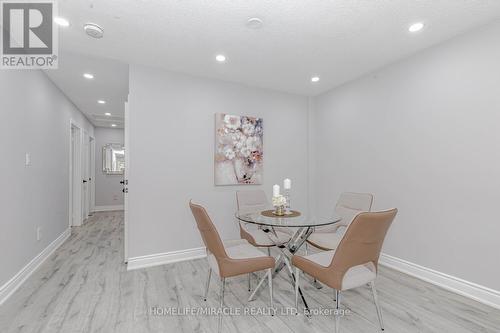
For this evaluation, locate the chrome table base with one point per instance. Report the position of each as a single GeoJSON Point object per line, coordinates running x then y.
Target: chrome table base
{"type": "Point", "coordinates": [283, 260]}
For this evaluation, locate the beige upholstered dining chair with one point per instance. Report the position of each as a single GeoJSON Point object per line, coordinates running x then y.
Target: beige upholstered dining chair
{"type": "Point", "coordinates": [354, 262]}
{"type": "Point", "coordinates": [229, 258]}
{"type": "Point", "coordinates": [348, 206]}
{"type": "Point", "coordinates": [254, 201]}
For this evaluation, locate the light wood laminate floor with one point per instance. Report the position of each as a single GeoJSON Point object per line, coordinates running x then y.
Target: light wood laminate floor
{"type": "Point", "coordinates": [85, 287]}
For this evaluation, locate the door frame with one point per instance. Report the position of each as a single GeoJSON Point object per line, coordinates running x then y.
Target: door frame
{"type": "Point", "coordinates": [75, 175]}
{"type": "Point", "coordinates": [92, 174]}
{"type": "Point", "coordinates": [84, 176]}
{"type": "Point", "coordinates": [125, 178]}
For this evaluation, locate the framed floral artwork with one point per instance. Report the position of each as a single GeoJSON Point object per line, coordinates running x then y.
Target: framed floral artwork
{"type": "Point", "coordinates": [238, 150]}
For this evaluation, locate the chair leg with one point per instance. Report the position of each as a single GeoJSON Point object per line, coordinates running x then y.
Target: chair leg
{"type": "Point", "coordinates": [222, 285]}
{"type": "Point", "coordinates": [249, 282]}
{"type": "Point", "coordinates": [297, 274]}
{"type": "Point", "coordinates": [207, 285]}
{"type": "Point", "coordinates": [268, 251]}
{"type": "Point", "coordinates": [377, 305]}
{"type": "Point", "coordinates": [337, 307]}
{"type": "Point", "coordinates": [270, 277]}
{"type": "Point", "coordinates": [315, 282]}
{"type": "Point", "coordinates": [256, 288]}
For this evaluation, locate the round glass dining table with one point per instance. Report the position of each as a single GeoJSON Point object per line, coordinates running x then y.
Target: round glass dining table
{"type": "Point", "coordinates": [301, 225]}
{"type": "Point", "coordinates": [294, 220]}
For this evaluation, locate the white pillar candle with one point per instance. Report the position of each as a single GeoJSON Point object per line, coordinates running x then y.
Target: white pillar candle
{"type": "Point", "coordinates": [287, 184]}
{"type": "Point", "coordinates": [276, 190]}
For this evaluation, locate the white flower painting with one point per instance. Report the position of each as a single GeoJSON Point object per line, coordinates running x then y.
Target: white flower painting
{"type": "Point", "coordinates": [238, 150]}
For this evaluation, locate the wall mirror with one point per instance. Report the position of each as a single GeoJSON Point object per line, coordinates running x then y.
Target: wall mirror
{"type": "Point", "coordinates": [113, 159]}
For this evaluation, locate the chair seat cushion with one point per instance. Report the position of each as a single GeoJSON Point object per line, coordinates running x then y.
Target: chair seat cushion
{"type": "Point", "coordinates": [359, 275]}
{"type": "Point", "coordinates": [244, 251]}
{"type": "Point", "coordinates": [354, 277]}
{"type": "Point", "coordinates": [325, 240]}
{"type": "Point", "coordinates": [323, 258]}
{"type": "Point", "coordinates": [233, 242]}
{"type": "Point", "coordinates": [247, 258]}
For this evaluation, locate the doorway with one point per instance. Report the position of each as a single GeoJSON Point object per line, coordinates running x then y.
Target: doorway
{"type": "Point", "coordinates": [75, 207]}
{"type": "Point", "coordinates": [92, 176]}
{"type": "Point", "coordinates": [88, 153]}
{"type": "Point", "coordinates": [81, 174]}
{"type": "Point", "coordinates": [125, 182]}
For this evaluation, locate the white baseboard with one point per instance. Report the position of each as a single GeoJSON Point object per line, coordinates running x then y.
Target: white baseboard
{"type": "Point", "coordinates": [465, 288]}
{"type": "Point", "coordinates": [165, 258]}
{"type": "Point", "coordinates": [108, 208]}
{"type": "Point", "coordinates": [13, 284]}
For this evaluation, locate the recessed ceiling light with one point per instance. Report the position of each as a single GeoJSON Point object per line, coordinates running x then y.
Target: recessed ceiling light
{"type": "Point", "coordinates": [254, 23]}
{"type": "Point", "coordinates": [93, 30]}
{"type": "Point", "coordinates": [61, 21]}
{"type": "Point", "coordinates": [113, 125]}
{"type": "Point", "coordinates": [88, 76]}
{"type": "Point", "coordinates": [220, 58]}
{"type": "Point", "coordinates": [101, 101]}
{"type": "Point", "coordinates": [315, 79]}
{"type": "Point", "coordinates": [415, 27]}
{"type": "Point", "coordinates": [107, 114]}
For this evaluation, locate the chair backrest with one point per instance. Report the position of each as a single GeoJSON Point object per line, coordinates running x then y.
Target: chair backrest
{"type": "Point", "coordinates": [251, 201]}
{"type": "Point", "coordinates": [351, 204]}
{"type": "Point", "coordinates": [208, 231]}
{"type": "Point", "coordinates": [361, 243]}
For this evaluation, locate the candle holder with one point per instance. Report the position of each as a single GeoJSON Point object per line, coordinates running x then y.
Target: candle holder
{"type": "Point", "coordinates": [279, 203]}
{"type": "Point", "coordinates": [279, 210]}
{"type": "Point", "coordinates": [287, 204]}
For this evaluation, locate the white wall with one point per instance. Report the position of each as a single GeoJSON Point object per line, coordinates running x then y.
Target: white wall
{"type": "Point", "coordinates": [423, 136]}
{"type": "Point", "coordinates": [172, 119]}
{"type": "Point", "coordinates": [35, 118]}
{"type": "Point", "coordinates": [108, 190]}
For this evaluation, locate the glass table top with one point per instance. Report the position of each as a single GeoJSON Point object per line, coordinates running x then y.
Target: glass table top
{"type": "Point", "coordinates": [290, 222]}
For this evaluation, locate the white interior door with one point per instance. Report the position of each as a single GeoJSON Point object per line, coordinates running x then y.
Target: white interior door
{"type": "Point", "coordinates": [75, 176]}
{"type": "Point", "coordinates": [85, 177]}
{"type": "Point", "coordinates": [125, 182]}
{"type": "Point", "coordinates": [92, 176]}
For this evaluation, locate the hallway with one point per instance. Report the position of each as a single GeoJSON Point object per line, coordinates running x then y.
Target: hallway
{"type": "Point", "coordinates": [79, 288]}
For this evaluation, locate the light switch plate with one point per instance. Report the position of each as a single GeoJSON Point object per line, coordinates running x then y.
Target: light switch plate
{"type": "Point", "coordinates": [27, 161]}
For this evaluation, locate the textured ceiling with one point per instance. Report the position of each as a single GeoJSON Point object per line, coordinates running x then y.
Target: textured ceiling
{"type": "Point", "coordinates": [338, 40]}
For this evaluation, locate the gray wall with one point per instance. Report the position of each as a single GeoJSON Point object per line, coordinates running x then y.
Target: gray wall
{"type": "Point", "coordinates": [172, 154]}
{"type": "Point", "coordinates": [423, 136]}
{"type": "Point", "coordinates": [35, 118]}
{"type": "Point", "coordinates": [108, 190]}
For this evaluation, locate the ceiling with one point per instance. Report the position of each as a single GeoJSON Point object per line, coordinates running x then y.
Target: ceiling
{"type": "Point", "coordinates": [110, 84]}
{"type": "Point", "coordinates": [337, 40]}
